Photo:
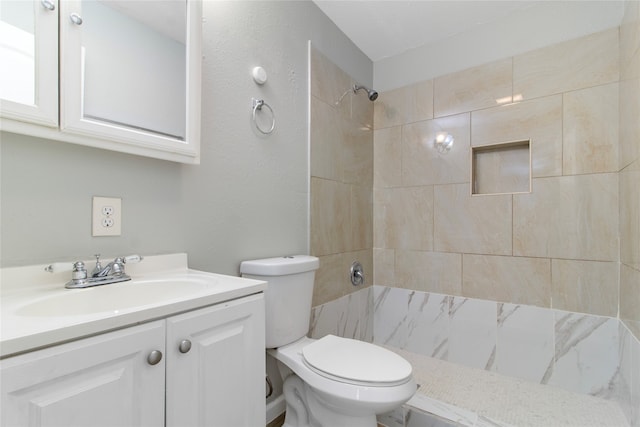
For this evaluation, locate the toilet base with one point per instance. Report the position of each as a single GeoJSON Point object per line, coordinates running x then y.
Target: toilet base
{"type": "Point", "coordinates": [304, 409]}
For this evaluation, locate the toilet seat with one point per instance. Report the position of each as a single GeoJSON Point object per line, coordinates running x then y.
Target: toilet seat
{"type": "Point", "coordinates": [355, 362]}
{"type": "Point", "coordinates": [338, 392]}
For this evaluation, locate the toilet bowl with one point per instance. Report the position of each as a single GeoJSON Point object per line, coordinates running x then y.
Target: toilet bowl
{"type": "Point", "coordinates": [331, 381]}
{"type": "Point", "coordinates": [353, 378]}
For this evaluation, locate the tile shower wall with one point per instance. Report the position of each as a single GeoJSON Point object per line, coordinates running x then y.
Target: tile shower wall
{"type": "Point", "coordinates": [629, 202]}
{"type": "Point", "coordinates": [341, 179]}
{"type": "Point", "coordinates": [523, 284]}
{"type": "Point", "coordinates": [556, 247]}
{"type": "Point", "coordinates": [629, 168]}
{"type": "Point", "coordinates": [530, 285]}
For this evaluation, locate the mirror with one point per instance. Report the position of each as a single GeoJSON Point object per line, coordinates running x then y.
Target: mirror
{"type": "Point", "coordinates": [17, 52]}
{"type": "Point", "coordinates": [133, 60]}
{"type": "Point", "coordinates": [129, 74]}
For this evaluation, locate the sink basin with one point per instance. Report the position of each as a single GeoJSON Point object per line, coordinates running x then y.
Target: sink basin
{"type": "Point", "coordinates": [115, 297]}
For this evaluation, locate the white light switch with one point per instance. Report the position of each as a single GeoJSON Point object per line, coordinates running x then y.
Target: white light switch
{"type": "Point", "coordinates": [107, 216]}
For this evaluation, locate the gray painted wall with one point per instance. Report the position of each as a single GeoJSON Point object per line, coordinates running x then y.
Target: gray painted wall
{"type": "Point", "coordinates": [249, 196]}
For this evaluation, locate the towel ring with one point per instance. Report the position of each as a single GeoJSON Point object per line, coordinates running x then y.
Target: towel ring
{"type": "Point", "coordinates": [257, 106]}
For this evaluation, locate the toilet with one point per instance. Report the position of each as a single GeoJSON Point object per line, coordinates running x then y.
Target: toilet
{"type": "Point", "coordinates": [331, 381]}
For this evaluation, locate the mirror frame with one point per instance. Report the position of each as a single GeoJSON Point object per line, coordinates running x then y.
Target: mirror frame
{"type": "Point", "coordinates": [77, 130]}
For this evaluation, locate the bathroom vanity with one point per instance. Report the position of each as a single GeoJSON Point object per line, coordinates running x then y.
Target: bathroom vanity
{"type": "Point", "coordinates": [187, 358]}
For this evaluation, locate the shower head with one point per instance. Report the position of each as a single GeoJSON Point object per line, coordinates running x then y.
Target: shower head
{"type": "Point", "coordinates": [372, 94]}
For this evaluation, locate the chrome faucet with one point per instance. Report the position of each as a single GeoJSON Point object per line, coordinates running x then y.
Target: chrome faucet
{"type": "Point", "coordinates": [114, 268]}
{"type": "Point", "coordinates": [111, 273]}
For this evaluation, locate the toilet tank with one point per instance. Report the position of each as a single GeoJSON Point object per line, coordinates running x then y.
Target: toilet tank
{"type": "Point", "coordinates": [288, 295]}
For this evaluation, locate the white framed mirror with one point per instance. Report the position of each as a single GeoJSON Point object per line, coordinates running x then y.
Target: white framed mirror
{"type": "Point", "coordinates": [129, 80]}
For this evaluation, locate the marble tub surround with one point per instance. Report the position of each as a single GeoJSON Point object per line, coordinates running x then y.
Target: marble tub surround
{"type": "Point", "coordinates": [580, 353]}
{"type": "Point", "coordinates": [532, 347]}
{"type": "Point", "coordinates": [350, 316]}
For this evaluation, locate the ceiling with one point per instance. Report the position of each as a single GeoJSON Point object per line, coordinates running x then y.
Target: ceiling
{"type": "Point", "coordinates": [383, 29]}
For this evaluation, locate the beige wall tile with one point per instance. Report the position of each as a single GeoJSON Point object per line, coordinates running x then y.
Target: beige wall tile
{"type": "Point", "coordinates": [387, 157]}
{"type": "Point", "coordinates": [357, 156]}
{"type": "Point", "coordinates": [539, 121]}
{"type": "Point", "coordinates": [516, 280]}
{"type": "Point", "coordinates": [630, 41]}
{"type": "Point", "coordinates": [629, 294]}
{"type": "Point", "coordinates": [585, 286]}
{"type": "Point", "coordinates": [567, 66]}
{"type": "Point", "coordinates": [361, 218]}
{"type": "Point", "coordinates": [419, 101]}
{"type": "Point", "coordinates": [630, 215]}
{"type": "Point", "coordinates": [472, 89]}
{"type": "Point", "coordinates": [328, 281]}
{"type": "Point", "coordinates": [407, 104]}
{"type": "Point", "coordinates": [471, 224]}
{"type": "Point", "coordinates": [590, 130]}
{"type": "Point", "coordinates": [330, 216]}
{"type": "Point", "coordinates": [404, 220]}
{"type": "Point", "coordinates": [327, 160]}
{"type": "Point", "coordinates": [573, 217]}
{"type": "Point", "coordinates": [429, 271]}
{"type": "Point", "coordinates": [388, 109]}
{"type": "Point", "coordinates": [384, 267]}
{"type": "Point", "coordinates": [629, 145]}
{"type": "Point", "coordinates": [421, 162]}
{"type": "Point", "coordinates": [381, 202]}
{"type": "Point", "coordinates": [329, 83]}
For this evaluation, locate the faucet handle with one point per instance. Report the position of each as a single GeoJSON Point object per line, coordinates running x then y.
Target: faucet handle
{"type": "Point", "coordinates": [79, 272]}
{"type": "Point", "coordinates": [59, 267]}
{"type": "Point", "coordinates": [132, 259]}
{"type": "Point", "coordinates": [98, 266]}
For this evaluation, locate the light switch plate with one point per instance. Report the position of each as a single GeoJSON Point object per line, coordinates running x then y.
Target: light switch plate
{"type": "Point", "coordinates": [106, 216]}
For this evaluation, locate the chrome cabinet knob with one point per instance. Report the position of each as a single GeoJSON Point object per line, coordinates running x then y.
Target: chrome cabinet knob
{"type": "Point", "coordinates": [48, 4]}
{"type": "Point", "coordinates": [185, 346]}
{"type": "Point", "coordinates": [154, 357]}
{"type": "Point", "coordinates": [75, 18]}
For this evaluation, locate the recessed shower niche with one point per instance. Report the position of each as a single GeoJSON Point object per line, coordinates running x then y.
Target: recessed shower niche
{"type": "Point", "coordinates": [501, 168]}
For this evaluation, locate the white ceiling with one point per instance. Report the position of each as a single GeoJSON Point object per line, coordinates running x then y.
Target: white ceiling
{"type": "Point", "coordinates": [383, 29]}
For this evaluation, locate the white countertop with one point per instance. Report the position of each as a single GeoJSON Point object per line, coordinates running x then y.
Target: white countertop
{"type": "Point", "coordinates": [20, 287]}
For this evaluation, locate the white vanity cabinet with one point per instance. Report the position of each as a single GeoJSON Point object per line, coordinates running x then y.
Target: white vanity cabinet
{"type": "Point", "coordinates": [99, 381]}
{"type": "Point", "coordinates": [111, 379]}
{"type": "Point", "coordinates": [129, 76]}
{"type": "Point", "coordinates": [219, 381]}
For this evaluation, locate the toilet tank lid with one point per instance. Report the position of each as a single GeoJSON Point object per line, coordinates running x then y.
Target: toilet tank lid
{"type": "Point", "coordinates": [280, 266]}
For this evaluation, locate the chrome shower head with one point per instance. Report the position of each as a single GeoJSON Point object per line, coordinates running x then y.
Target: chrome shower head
{"type": "Point", "coordinates": [372, 94]}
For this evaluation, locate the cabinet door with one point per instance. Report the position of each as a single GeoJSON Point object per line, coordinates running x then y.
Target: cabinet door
{"type": "Point", "coordinates": [220, 380]}
{"type": "Point", "coordinates": [99, 381]}
{"type": "Point", "coordinates": [127, 73]}
{"type": "Point", "coordinates": [29, 58]}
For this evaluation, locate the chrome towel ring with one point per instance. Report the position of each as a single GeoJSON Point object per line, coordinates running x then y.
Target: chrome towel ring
{"type": "Point", "coordinates": [257, 106]}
